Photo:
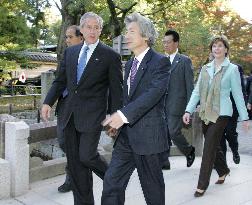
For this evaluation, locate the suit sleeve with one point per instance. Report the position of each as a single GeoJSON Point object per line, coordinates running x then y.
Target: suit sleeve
{"type": "Point", "coordinates": [151, 96]}
{"type": "Point", "coordinates": [236, 90]}
{"type": "Point", "coordinates": [189, 78]}
{"type": "Point", "coordinates": [115, 84]}
{"type": "Point", "coordinates": [58, 85]}
{"type": "Point", "coordinates": [250, 98]}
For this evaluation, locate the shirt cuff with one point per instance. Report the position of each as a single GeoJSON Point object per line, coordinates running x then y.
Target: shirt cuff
{"type": "Point", "coordinates": [124, 119]}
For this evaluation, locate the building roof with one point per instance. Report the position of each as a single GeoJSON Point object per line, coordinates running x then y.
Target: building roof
{"type": "Point", "coordinates": [35, 56]}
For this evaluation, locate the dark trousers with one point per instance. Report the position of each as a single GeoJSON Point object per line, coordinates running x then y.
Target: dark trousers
{"type": "Point", "coordinates": [230, 135]}
{"type": "Point", "coordinates": [122, 165]}
{"type": "Point", "coordinates": [175, 125]}
{"type": "Point", "coordinates": [212, 152]}
{"type": "Point", "coordinates": [61, 140]}
{"type": "Point", "coordinates": [83, 158]}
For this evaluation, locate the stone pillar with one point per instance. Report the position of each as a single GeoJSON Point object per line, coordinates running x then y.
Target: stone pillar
{"type": "Point", "coordinates": [197, 135]}
{"type": "Point", "coordinates": [194, 136]}
{"type": "Point", "coordinates": [46, 83]}
{"type": "Point", "coordinates": [4, 179]}
{"type": "Point", "coordinates": [17, 153]}
{"type": "Point", "coordinates": [3, 119]}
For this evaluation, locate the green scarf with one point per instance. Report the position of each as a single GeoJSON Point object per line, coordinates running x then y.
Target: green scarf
{"type": "Point", "coordinates": [210, 95]}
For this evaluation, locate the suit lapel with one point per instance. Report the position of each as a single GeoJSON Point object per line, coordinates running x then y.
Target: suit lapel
{"type": "Point", "coordinates": [141, 70]}
{"type": "Point", "coordinates": [175, 62]}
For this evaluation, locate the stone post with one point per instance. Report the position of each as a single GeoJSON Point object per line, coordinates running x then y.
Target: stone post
{"type": "Point", "coordinates": [4, 179]}
{"type": "Point", "coordinates": [17, 153]}
{"type": "Point", "coordinates": [197, 135]}
{"type": "Point", "coordinates": [46, 83]}
{"type": "Point", "coordinates": [3, 119]}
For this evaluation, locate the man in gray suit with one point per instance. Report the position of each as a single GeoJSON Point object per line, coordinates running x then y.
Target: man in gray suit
{"type": "Point", "coordinates": [179, 91]}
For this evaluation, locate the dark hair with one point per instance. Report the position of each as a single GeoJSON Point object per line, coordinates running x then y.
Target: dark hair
{"type": "Point", "coordinates": [174, 34]}
{"type": "Point", "coordinates": [222, 39]}
{"type": "Point", "coordinates": [77, 30]}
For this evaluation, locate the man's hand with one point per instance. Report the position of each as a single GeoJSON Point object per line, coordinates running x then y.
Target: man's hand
{"type": "Point", "coordinates": [186, 118]}
{"type": "Point", "coordinates": [245, 125]}
{"type": "Point", "coordinates": [111, 132]}
{"type": "Point", "coordinates": [114, 121]}
{"type": "Point", "coordinates": [46, 111]}
{"type": "Point", "coordinates": [249, 106]}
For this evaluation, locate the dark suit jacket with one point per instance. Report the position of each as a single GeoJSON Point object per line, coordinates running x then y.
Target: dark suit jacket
{"type": "Point", "coordinates": [87, 100]}
{"type": "Point", "coordinates": [235, 111]}
{"type": "Point", "coordinates": [180, 85]}
{"type": "Point", "coordinates": [144, 106]}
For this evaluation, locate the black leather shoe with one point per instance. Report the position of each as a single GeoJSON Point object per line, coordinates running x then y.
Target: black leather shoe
{"type": "Point", "coordinates": [236, 158]}
{"type": "Point", "coordinates": [64, 188]}
{"type": "Point", "coordinates": [167, 165]}
{"type": "Point", "coordinates": [191, 157]}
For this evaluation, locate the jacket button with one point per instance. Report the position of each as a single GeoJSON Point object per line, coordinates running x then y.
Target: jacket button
{"type": "Point", "coordinates": [75, 92]}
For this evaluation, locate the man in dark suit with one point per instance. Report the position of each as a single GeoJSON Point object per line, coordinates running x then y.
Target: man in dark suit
{"type": "Point", "coordinates": [230, 134]}
{"type": "Point", "coordinates": [249, 91]}
{"type": "Point", "coordinates": [73, 37]}
{"type": "Point", "coordinates": [179, 90]}
{"type": "Point", "coordinates": [92, 75]}
{"type": "Point", "coordinates": [142, 140]}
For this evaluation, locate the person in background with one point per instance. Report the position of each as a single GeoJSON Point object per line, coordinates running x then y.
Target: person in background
{"type": "Point", "coordinates": [181, 78]}
{"type": "Point", "coordinates": [142, 139]}
{"type": "Point", "coordinates": [73, 36]}
{"type": "Point", "coordinates": [213, 87]}
{"type": "Point", "coordinates": [230, 134]}
{"type": "Point", "coordinates": [249, 90]}
{"type": "Point", "coordinates": [249, 105]}
{"type": "Point", "coordinates": [92, 74]}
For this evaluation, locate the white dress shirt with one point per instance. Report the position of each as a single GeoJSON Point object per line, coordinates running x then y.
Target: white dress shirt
{"type": "Point", "coordinates": [89, 51]}
{"type": "Point", "coordinates": [172, 56]}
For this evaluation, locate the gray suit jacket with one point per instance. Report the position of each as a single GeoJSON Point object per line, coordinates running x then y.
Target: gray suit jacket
{"type": "Point", "coordinates": [180, 85]}
{"type": "Point", "coordinates": [144, 106]}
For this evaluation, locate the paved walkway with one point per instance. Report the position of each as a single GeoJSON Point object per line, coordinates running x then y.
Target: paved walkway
{"type": "Point", "coordinates": [180, 185]}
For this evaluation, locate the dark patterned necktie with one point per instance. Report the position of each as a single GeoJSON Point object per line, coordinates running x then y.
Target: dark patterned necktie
{"type": "Point", "coordinates": [169, 59]}
{"type": "Point", "coordinates": [133, 71]}
{"type": "Point", "coordinates": [82, 63]}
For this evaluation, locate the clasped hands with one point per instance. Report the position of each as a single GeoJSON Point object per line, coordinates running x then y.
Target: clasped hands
{"type": "Point", "coordinates": [112, 123]}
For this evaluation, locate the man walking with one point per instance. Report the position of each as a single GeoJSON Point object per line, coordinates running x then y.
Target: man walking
{"type": "Point", "coordinates": [92, 75]}
{"type": "Point", "coordinates": [73, 37]}
{"type": "Point", "coordinates": [179, 89]}
{"type": "Point", "coordinates": [142, 140]}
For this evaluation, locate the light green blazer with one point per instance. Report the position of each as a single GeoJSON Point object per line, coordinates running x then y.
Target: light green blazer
{"type": "Point", "coordinates": [230, 82]}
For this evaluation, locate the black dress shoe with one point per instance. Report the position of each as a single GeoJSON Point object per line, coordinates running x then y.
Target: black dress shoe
{"type": "Point", "coordinates": [236, 158]}
{"type": "Point", "coordinates": [166, 166]}
{"type": "Point", "coordinates": [191, 157]}
{"type": "Point", "coordinates": [64, 188]}
{"type": "Point", "coordinates": [199, 194]}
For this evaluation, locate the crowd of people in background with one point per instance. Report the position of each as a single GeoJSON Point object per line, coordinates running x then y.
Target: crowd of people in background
{"type": "Point", "coordinates": [146, 109]}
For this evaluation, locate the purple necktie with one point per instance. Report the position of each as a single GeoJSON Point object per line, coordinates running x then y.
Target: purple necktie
{"type": "Point", "coordinates": [133, 71]}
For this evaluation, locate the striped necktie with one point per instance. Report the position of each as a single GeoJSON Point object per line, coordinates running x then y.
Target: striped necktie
{"type": "Point", "coordinates": [133, 71]}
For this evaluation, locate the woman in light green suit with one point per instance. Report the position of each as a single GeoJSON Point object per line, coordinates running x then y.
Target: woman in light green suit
{"type": "Point", "coordinates": [217, 79]}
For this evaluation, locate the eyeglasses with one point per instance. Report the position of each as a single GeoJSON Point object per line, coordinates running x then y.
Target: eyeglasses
{"type": "Point", "coordinates": [167, 42]}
